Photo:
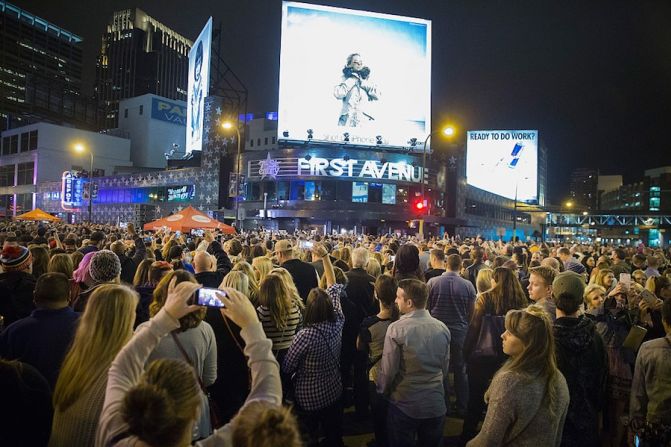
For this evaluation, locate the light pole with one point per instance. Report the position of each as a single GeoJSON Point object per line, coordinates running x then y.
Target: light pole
{"type": "Point", "coordinates": [81, 149]}
{"type": "Point", "coordinates": [517, 183]}
{"type": "Point", "coordinates": [448, 132]}
{"type": "Point", "coordinates": [228, 126]}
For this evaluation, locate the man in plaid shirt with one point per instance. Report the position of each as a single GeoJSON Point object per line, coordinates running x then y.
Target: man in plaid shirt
{"type": "Point", "coordinates": [314, 358]}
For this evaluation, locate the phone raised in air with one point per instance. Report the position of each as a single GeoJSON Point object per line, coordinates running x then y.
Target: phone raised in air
{"type": "Point", "coordinates": [206, 296]}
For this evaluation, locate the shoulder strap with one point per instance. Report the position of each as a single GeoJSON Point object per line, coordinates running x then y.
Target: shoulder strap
{"type": "Point", "coordinates": [188, 360]}
{"type": "Point", "coordinates": [328, 346]}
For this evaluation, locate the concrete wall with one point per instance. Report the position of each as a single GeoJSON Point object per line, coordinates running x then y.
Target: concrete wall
{"type": "Point", "coordinates": [152, 137]}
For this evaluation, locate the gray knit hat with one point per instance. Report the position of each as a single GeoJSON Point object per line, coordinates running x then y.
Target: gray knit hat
{"type": "Point", "coordinates": [105, 266]}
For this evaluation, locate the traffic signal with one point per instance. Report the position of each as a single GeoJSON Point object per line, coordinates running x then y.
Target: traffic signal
{"type": "Point", "coordinates": [419, 205]}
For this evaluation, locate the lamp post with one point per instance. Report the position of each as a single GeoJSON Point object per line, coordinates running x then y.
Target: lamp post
{"type": "Point", "coordinates": [228, 126]}
{"type": "Point", "coordinates": [448, 132]}
{"type": "Point", "coordinates": [81, 149]}
{"type": "Point", "coordinates": [515, 209]}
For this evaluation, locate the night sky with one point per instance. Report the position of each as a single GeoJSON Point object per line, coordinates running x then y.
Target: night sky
{"type": "Point", "coordinates": [594, 77]}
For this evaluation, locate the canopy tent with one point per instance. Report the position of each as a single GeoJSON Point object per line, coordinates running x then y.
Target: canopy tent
{"type": "Point", "coordinates": [188, 219]}
{"type": "Point", "coordinates": [37, 214]}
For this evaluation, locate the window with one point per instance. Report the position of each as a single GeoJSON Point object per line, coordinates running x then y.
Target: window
{"type": "Point", "coordinates": [7, 175]}
{"type": "Point", "coordinates": [283, 190]}
{"type": "Point", "coordinates": [141, 109]}
{"type": "Point", "coordinates": [125, 113]}
{"type": "Point", "coordinates": [274, 140]}
{"type": "Point", "coordinates": [389, 194]}
{"type": "Point", "coordinates": [24, 202]}
{"type": "Point", "coordinates": [297, 190]}
{"type": "Point", "coordinates": [24, 141]}
{"type": "Point", "coordinates": [5, 146]}
{"type": "Point", "coordinates": [258, 141]}
{"type": "Point", "coordinates": [251, 143]}
{"type": "Point", "coordinates": [14, 144]}
{"type": "Point", "coordinates": [375, 192]}
{"type": "Point", "coordinates": [25, 173]}
{"type": "Point", "coordinates": [360, 192]}
{"type": "Point", "coordinates": [32, 145]}
{"type": "Point", "coordinates": [266, 141]}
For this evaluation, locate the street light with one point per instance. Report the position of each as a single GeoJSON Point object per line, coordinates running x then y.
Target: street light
{"type": "Point", "coordinates": [517, 183]}
{"type": "Point", "coordinates": [448, 131]}
{"type": "Point", "coordinates": [82, 149]}
{"type": "Point", "coordinates": [227, 125]}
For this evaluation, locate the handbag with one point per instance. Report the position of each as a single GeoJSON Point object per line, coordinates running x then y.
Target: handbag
{"type": "Point", "coordinates": [214, 413]}
{"type": "Point", "coordinates": [489, 344]}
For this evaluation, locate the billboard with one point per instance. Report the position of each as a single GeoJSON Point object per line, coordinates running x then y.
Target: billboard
{"type": "Point", "coordinates": [168, 111]}
{"type": "Point", "coordinates": [353, 76]}
{"type": "Point", "coordinates": [198, 88]}
{"type": "Point", "coordinates": [503, 161]}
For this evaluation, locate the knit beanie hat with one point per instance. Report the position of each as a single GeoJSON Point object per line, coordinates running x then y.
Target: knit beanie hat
{"type": "Point", "coordinates": [105, 266]}
{"type": "Point", "coordinates": [570, 283]}
{"type": "Point", "coordinates": [15, 258]}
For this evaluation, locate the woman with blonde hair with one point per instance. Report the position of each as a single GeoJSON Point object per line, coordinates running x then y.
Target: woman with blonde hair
{"type": "Point", "coordinates": [193, 343]}
{"type": "Point", "coordinates": [373, 267]}
{"type": "Point", "coordinates": [606, 279]}
{"type": "Point", "coordinates": [104, 328]}
{"type": "Point", "coordinates": [528, 397]}
{"type": "Point", "coordinates": [61, 263]}
{"type": "Point", "coordinates": [236, 280]}
{"type": "Point", "coordinates": [346, 256]}
{"type": "Point", "coordinates": [245, 268]}
{"type": "Point", "coordinates": [289, 282]}
{"type": "Point", "coordinates": [142, 273]}
{"type": "Point", "coordinates": [279, 313]}
{"type": "Point", "coordinates": [157, 406]}
{"type": "Point", "coordinates": [261, 265]}
{"type": "Point", "coordinates": [483, 281]}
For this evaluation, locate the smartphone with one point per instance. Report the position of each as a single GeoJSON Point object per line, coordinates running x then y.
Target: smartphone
{"type": "Point", "coordinates": [306, 244]}
{"type": "Point", "coordinates": [625, 280]}
{"type": "Point", "coordinates": [206, 296]}
{"type": "Point", "coordinates": [147, 239]}
{"type": "Point", "coordinates": [178, 233]}
{"type": "Point", "coordinates": [198, 233]}
{"type": "Point", "coordinates": [392, 258]}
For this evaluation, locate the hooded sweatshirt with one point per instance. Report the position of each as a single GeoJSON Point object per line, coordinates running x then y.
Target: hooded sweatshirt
{"type": "Point", "coordinates": [582, 359]}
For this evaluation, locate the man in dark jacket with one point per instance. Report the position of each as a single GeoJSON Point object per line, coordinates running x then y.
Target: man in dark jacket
{"type": "Point", "coordinates": [43, 338]}
{"type": "Point", "coordinates": [96, 241]}
{"type": "Point", "coordinates": [206, 270]}
{"type": "Point", "coordinates": [223, 261]}
{"type": "Point", "coordinates": [129, 263]}
{"type": "Point", "coordinates": [582, 359]}
{"type": "Point", "coordinates": [477, 255]}
{"type": "Point", "coordinates": [303, 274]}
{"type": "Point", "coordinates": [16, 283]}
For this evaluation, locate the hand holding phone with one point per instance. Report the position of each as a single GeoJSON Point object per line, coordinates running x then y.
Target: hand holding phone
{"type": "Point", "coordinates": [207, 296]}
{"type": "Point", "coordinates": [625, 280]}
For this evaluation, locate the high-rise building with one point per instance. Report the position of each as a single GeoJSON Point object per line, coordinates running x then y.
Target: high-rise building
{"type": "Point", "coordinates": [40, 72]}
{"type": "Point", "coordinates": [583, 188]}
{"type": "Point", "coordinates": [139, 55]}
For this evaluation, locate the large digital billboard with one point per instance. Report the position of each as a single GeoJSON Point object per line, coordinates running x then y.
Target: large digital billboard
{"type": "Point", "coordinates": [353, 76]}
{"type": "Point", "coordinates": [504, 162]}
{"type": "Point", "coordinates": [198, 88]}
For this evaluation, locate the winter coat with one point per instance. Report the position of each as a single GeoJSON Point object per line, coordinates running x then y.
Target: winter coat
{"type": "Point", "coordinates": [16, 295]}
{"type": "Point", "coordinates": [582, 359]}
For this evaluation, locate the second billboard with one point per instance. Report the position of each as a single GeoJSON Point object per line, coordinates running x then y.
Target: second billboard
{"type": "Point", "coordinates": [353, 76]}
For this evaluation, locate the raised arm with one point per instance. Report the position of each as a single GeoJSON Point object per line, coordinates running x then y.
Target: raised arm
{"type": "Point", "coordinates": [128, 366]}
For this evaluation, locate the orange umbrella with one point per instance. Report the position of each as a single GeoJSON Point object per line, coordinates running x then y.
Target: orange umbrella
{"type": "Point", "coordinates": [188, 219]}
{"type": "Point", "coordinates": [37, 214]}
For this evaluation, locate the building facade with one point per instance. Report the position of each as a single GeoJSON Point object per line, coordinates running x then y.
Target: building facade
{"type": "Point", "coordinates": [583, 188]}
{"type": "Point", "coordinates": [39, 153]}
{"type": "Point", "coordinates": [40, 72]}
{"type": "Point", "coordinates": [156, 127]}
{"type": "Point", "coordinates": [139, 55]}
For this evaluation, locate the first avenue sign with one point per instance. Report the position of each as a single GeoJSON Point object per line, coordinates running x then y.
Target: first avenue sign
{"type": "Point", "coordinates": [336, 167]}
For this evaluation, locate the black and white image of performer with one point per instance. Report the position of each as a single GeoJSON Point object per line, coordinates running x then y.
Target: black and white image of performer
{"type": "Point", "coordinates": [197, 97]}
{"type": "Point", "coordinates": [356, 91]}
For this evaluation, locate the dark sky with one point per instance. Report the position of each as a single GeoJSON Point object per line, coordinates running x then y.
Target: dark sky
{"type": "Point", "coordinates": [594, 77]}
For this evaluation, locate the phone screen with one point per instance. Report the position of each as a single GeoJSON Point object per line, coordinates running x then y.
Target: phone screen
{"type": "Point", "coordinates": [206, 296]}
{"type": "Point", "coordinates": [625, 280]}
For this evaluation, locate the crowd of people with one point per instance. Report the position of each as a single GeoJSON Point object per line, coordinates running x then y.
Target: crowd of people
{"type": "Point", "coordinates": [103, 342]}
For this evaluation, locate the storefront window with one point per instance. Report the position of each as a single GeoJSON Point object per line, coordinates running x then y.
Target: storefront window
{"type": "Point", "coordinates": [360, 192]}
{"type": "Point", "coordinates": [297, 190]}
{"type": "Point", "coordinates": [7, 175]}
{"type": "Point", "coordinates": [375, 192]}
{"type": "Point", "coordinates": [328, 190]}
{"type": "Point", "coordinates": [283, 190]}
